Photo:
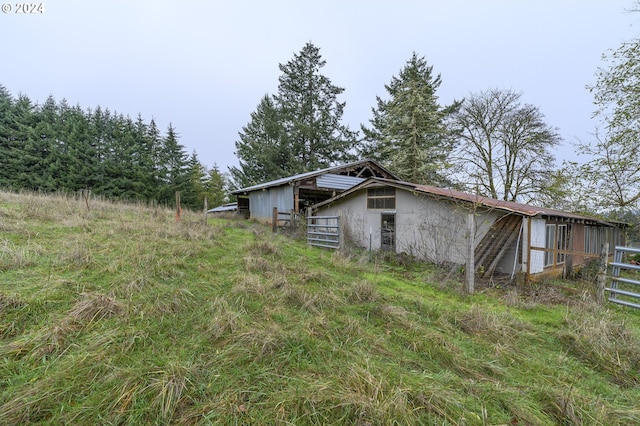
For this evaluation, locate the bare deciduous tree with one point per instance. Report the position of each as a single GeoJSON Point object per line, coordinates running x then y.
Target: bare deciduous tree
{"type": "Point", "coordinates": [505, 148]}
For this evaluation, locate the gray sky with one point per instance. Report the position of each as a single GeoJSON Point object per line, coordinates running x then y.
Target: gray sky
{"type": "Point", "coordinates": [204, 65]}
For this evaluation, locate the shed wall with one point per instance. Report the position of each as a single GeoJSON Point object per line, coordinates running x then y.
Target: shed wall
{"type": "Point", "coordinates": [261, 203]}
{"type": "Point", "coordinates": [427, 228]}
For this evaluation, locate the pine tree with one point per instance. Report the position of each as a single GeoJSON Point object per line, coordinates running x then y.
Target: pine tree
{"type": "Point", "coordinates": [26, 156]}
{"type": "Point", "coordinates": [409, 131]}
{"type": "Point", "coordinates": [262, 152]}
{"type": "Point", "coordinates": [311, 114]}
{"type": "Point", "coordinates": [99, 133]}
{"type": "Point", "coordinates": [145, 169]}
{"type": "Point", "coordinates": [173, 167]}
{"type": "Point", "coordinates": [215, 187]}
{"type": "Point", "coordinates": [54, 146]}
{"type": "Point", "coordinates": [297, 130]}
{"type": "Point", "coordinates": [116, 159]}
{"type": "Point", "coordinates": [45, 134]}
{"type": "Point", "coordinates": [194, 191]}
{"type": "Point", "coordinates": [154, 139]}
{"type": "Point", "coordinates": [82, 151]}
{"type": "Point", "coordinates": [8, 152]}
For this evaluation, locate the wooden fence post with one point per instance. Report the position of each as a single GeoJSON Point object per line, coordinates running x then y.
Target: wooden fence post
{"type": "Point", "coordinates": [85, 194]}
{"type": "Point", "coordinates": [178, 208]}
{"type": "Point", "coordinates": [206, 208]}
{"type": "Point", "coordinates": [470, 269]}
{"type": "Point", "coordinates": [274, 220]}
{"type": "Point", "coordinates": [340, 231]}
{"type": "Point", "coordinates": [602, 274]}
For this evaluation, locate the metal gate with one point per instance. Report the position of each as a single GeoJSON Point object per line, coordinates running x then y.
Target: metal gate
{"type": "Point", "coordinates": [623, 290]}
{"type": "Point", "coordinates": [323, 231]}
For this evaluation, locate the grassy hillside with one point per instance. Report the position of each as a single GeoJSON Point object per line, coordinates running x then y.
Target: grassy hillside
{"type": "Point", "coordinates": [118, 314]}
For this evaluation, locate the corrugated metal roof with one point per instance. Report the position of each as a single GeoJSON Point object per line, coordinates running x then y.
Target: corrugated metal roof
{"type": "Point", "coordinates": [523, 209]}
{"type": "Point", "coordinates": [306, 175]}
{"type": "Point", "coordinates": [224, 208]}
{"type": "Point", "coordinates": [331, 181]}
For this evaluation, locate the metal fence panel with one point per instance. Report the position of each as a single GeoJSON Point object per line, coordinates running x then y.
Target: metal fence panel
{"type": "Point", "coordinates": [624, 290]}
{"type": "Point", "coordinates": [323, 231]}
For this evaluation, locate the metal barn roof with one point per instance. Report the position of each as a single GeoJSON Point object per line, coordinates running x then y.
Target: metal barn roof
{"type": "Point", "coordinates": [519, 208]}
{"type": "Point", "coordinates": [230, 207]}
{"type": "Point", "coordinates": [331, 181]}
{"type": "Point", "coordinates": [335, 171]}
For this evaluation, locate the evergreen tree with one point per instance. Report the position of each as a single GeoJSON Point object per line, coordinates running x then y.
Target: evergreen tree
{"type": "Point", "coordinates": [28, 159]}
{"type": "Point", "coordinates": [45, 135]}
{"type": "Point", "coordinates": [215, 187]}
{"type": "Point", "coordinates": [144, 165]}
{"type": "Point", "coordinates": [173, 167]}
{"type": "Point", "coordinates": [99, 123]}
{"type": "Point", "coordinates": [116, 161]}
{"type": "Point", "coordinates": [409, 131]}
{"type": "Point", "coordinates": [194, 192]}
{"type": "Point", "coordinates": [81, 159]}
{"type": "Point", "coordinates": [8, 147]}
{"type": "Point", "coordinates": [262, 152]}
{"type": "Point", "coordinates": [310, 113]}
{"type": "Point", "coordinates": [57, 147]}
{"type": "Point", "coordinates": [297, 130]}
{"type": "Point", "coordinates": [154, 140]}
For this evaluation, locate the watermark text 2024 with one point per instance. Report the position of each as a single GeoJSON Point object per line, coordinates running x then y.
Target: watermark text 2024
{"type": "Point", "coordinates": [22, 8]}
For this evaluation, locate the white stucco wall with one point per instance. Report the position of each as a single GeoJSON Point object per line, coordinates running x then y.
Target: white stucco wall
{"type": "Point", "coordinates": [427, 228]}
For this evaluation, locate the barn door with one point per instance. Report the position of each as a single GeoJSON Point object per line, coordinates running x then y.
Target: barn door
{"type": "Point", "coordinates": [388, 232]}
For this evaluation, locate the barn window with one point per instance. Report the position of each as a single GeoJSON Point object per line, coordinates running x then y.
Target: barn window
{"type": "Point", "coordinates": [381, 198]}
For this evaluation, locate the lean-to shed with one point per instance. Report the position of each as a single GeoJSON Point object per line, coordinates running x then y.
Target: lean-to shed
{"type": "Point", "coordinates": [296, 193]}
{"type": "Point", "coordinates": [225, 208]}
{"type": "Point", "coordinates": [432, 224]}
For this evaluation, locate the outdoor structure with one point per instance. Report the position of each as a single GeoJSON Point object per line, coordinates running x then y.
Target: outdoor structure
{"type": "Point", "coordinates": [449, 227]}
{"type": "Point", "coordinates": [296, 193]}
{"type": "Point", "coordinates": [225, 208]}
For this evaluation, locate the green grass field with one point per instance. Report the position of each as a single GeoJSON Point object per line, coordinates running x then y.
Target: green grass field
{"type": "Point", "coordinates": [120, 315]}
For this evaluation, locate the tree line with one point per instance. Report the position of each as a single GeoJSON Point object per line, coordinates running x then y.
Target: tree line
{"type": "Point", "coordinates": [490, 143]}
{"type": "Point", "coordinates": [57, 147]}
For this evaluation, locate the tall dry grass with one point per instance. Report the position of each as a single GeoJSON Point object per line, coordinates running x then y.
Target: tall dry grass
{"type": "Point", "coordinates": [119, 314]}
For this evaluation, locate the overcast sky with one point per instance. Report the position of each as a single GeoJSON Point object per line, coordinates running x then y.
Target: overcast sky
{"type": "Point", "coordinates": [204, 65]}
